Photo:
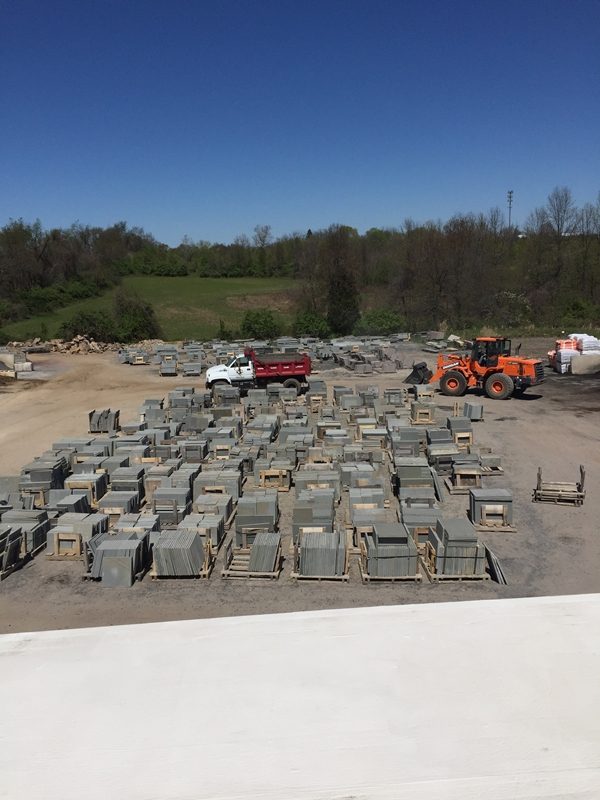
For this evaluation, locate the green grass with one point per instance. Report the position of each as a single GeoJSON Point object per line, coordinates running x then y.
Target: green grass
{"type": "Point", "coordinates": [187, 308]}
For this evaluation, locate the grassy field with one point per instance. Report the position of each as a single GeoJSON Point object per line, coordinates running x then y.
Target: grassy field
{"type": "Point", "coordinates": [187, 308]}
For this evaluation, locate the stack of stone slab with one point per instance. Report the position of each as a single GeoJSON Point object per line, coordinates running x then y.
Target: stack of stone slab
{"type": "Point", "coordinates": [314, 512]}
{"type": "Point", "coordinates": [264, 552]}
{"type": "Point", "coordinates": [179, 553]}
{"type": "Point", "coordinates": [210, 527]}
{"type": "Point", "coordinates": [366, 507]}
{"type": "Point", "coordinates": [454, 550]}
{"type": "Point", "coordinates": [119, 559]}
{"type": "Point", "coordinates": [66, 538]}
{"type": "Point", "coordinates": [114, 504]}
{"type": "Point", "coordinates": [318, 479]}
{"type": "Point", "coordinates": [491, 508]}
{"type": "Point", "coordinates": [322, 555]}
{"type": "Point", "coordinates": [11, 539]}
{"type": "Point", "coordinates": [34, 525]}
{"type": "Point", "coordinates": [219, 479]}
{"type": "Point", "coordinates": [473, 410]}
{"type": "Point", "coordinates": [391, 552]}
{"type": "Point", "coordinates": [105, 421]}
{"type": "Point", "coordinates": [214, 503]}
{"type": "Point", "coordinates": [93, 484]}
{"type": "Point", "coordinates": [43, 474]}
{"type": "Point", "coordinates": [256, 511]}
{"type": "Point", "coordinates": [139, 524]}
{"type": "Point", "coordinates": [171, 504]}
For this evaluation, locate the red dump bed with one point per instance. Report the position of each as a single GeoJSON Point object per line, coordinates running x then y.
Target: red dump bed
{"type": "Point", "coordinates": [280, 365]}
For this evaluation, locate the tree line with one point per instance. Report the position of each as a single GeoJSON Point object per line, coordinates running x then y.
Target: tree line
{"type": "Point", "coordinates": [469, 271]}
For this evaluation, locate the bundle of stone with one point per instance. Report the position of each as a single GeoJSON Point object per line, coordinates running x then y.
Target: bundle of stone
{"type": "Point", "coordinates": [438, 435]}
{"type": "Point", "coordinates": [34, 524]}
{"type": "Point", "coordinates": [453, 550]}
{"type": "Point", "coordinates": [246, 454]}
{"type": "Point", "coordinates": [366, 506]}
{"type": "Point", "coordinates": [81, 526]}
{"type": "Point", "coordinates": [119, 559]}
{"type": "Point", "coordinates": [137, 454]}
{"type": "Point", "coordinates": [194, 449]}
{"type": "Point", "coordinates": [90, 464]}
{"type": "Point", "coordinates": [319, 479]}
{"type": "Point", "coordinates": [171, 504]}
{"type": "Point", "coordinates": [314, 512]}
{"type": "Point", "coordinates": [424, 496]}
{"type": "Point", "coordinates": [214, 503]}
{"type": "Point", "coordinates": [211, 527]}
{"type": "Point", "coordinates": [11, 540]}
{"type": "Point", "coordinates": [265, 422]}
{"type": "Point", "coordinates": [350, 401]}
{"type": "Point", "coordinates": [196, 422]}
{"type": "Point", "coordinates": [192, 369]}
{"type": "Point", "coordinates": [491, 509]}
{"type": "Point", "coordinates": [94, 484]}
{"type": "Point", "coordinates": [341, 391]}
{"type": "Point", "coordinates": [258, 510]}
{"type": "Point", "coordinates": [116, 503]}
{"type": "Point", "coordinates": [222, 479]}
{"type": "Point", "coordinates": [395, 396]}
{"type": "Point", "coordinates": [139, 524]}
{"type": "Point", "coordinates": [105, 421]}
{"type": "Point", "coordinates": [155, 477]}
{"type": "Point", "coordinates": [459, 424]}
{"type": "Point", "coordinates": [473, 410]}
{"type": "Point", "coordinates": [413, 471]}
{"type": "Point", "coordinates": [128, 479]}
{"type": "Point", "coordinates": [41, 475]}
{"type": "Point", "coordinates": [72, 502]}
{"type": "Point", "coordinates": [179, 553]}
{"type": "Point", "coordinates": [359, 474]}
{"type": "Point", "coordinates": [441, 456]}
{"type": "Point", "coordinates": [112, 463]}
{"type": "Point", "coordinates": [322, 555]}
{"type": "Point", "coordinates": [225, 395]}
{"type": "Point", "coordinates": [390, 552]}
{"type": "Point", "coordinates": [356, 453]}
{"type": "Point", "coordinates": [418, 521]}
{"type": "Point", "coordinates": [264, 552]}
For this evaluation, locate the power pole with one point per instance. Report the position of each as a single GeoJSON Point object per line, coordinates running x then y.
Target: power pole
{"type": "Point", "coordinates": [509, 197]}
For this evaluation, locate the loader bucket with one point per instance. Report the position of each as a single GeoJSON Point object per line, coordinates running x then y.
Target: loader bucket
{"type": "Point", "coordinates": [420, 373]}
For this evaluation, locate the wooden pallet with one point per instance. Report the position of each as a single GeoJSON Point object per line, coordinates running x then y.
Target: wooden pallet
{"type": "Point", "coordinates": [237, 563]}
{"type": "Point", "coordinates": [205, 572]}
{"type": "Point", "coordinates": [319, 578]}
{"type": "Point", "coordinates": [489, 472]}
{"type": "Point", "coordinates": [560, 493]}
{"type": "Point", "coordinates": [495, 528]}
{"type": "Point", "coordinates": [435, 577]}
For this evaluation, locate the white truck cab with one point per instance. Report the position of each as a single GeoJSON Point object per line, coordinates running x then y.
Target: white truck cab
{"type": "Point", "coordinates": [239, 370]}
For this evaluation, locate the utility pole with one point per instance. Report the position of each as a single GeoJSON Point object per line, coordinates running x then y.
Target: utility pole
{"type": "Point", "coordinates": [509, 197]}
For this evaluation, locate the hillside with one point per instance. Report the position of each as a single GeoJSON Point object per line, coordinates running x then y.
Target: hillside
{"type": "Point", "coordinates": [187, 307]}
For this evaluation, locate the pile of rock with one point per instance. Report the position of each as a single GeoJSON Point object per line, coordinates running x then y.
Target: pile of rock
{"type": "Point", "coordinates": [79, 345]}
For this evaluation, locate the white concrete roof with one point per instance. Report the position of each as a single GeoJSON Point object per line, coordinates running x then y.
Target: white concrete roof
{"type": "Point", "coordinates": [453, 701]}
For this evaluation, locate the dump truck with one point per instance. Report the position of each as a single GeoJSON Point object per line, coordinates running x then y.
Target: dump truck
{"type": "Point", "coordinates": [489, 366]}
{"type": "Point", "coordinates": [250, 370]}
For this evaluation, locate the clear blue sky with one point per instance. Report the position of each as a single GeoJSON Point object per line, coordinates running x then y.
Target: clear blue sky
{"type": "Point", "coordinates": [207, 118]}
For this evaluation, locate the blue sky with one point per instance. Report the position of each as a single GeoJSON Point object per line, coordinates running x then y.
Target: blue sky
{"type": "Point", "coordinates": [206, 119]}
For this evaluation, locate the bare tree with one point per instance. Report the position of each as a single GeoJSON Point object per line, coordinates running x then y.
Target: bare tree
{"type": "Point", "coordinates": [561, 211]}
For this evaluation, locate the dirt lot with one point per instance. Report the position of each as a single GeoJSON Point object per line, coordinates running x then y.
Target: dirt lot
{"type": "Point", "coordinates": [555, 551]}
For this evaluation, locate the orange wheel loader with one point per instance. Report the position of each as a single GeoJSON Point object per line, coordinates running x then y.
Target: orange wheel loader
{"type": "Point", "coordinates": [489, 366]}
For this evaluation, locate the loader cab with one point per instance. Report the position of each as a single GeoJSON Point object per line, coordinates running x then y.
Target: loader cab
{"type": "Point", "coordinates": [487, 351]}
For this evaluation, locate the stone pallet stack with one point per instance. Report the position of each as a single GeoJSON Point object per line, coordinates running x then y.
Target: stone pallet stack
{"type": "Point", "coordinates": [11, 539]}
{"type": "Point", "coordinates": [456, 550]}
{"type": "Point", "coordinates": [391, 552]}
{"type": "Point", "coordinates": [179, 553]}
{"type": "Point", "coordinates": [256, 511]}
{"type": "Point", "coordinates": [120, 558]}
{"type": "Point", "coordinates": [34, 525]}
{"type": "Point", "coordinates": [264, 552]}
{"type": "Point", "coordinates": [322, 555]}
{"type": "Point", "coordinates": [210, 527]}
{"type": "Point", "coordinates": [314, 511]}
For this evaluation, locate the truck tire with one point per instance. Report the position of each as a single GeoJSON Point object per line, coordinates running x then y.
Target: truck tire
{"type": "Point", "coordinates": [219, 383]}
{"type": "Point", "coordinates": [499, 386]}
{"type": "Point", "coordinates": [453, 384]}
{"type": "Point", "coordinates": [292, 383]}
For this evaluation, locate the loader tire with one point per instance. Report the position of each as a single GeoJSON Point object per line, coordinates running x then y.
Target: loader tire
{"type": "Point", "coordinates": [453, 384]}
{"type": "Point", "coordinates": [499, 386]}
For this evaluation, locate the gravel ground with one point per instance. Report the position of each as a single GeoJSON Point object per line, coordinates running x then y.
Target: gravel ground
{"type": "Point", "coordinates": [556, 550]}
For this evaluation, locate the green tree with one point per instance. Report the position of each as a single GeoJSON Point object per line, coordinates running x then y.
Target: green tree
{"type": "Point", "coordinates": [260, 324]}
{"type": "Point", "coordinates": [379, 321]}
{"type": "Point", "coordinates": [309, 323]}
{"type": "Point", "coordinates": [338, 257]}
{"type": "Point", "coordinates": [135, 319]}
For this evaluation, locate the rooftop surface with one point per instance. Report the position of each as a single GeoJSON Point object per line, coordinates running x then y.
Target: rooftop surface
{"type": "Point", "coordinates": [494, 699]}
